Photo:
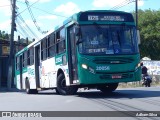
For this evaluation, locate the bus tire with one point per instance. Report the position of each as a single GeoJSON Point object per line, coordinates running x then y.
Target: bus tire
{"type": "Point", "coordinates": [62, 89]}
{"type": "Point", "coordinates": [108, 88]}
{"type": "Point", "coordinates": [28, 90]}
{"type": "Point", "coordinates": [57, 92]}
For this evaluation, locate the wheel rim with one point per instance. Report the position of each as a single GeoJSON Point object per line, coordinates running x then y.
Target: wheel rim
{"type": "Point", "coordinates": [63, 84]}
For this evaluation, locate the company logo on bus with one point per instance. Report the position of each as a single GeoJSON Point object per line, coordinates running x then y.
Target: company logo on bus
{"type": "Point", "coordinates": [59, 60]}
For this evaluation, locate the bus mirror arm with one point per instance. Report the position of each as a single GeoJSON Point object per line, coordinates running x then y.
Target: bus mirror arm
{"type": "Point", "coordinates": [78, 34]}
{"type": "Point", "coordinates": [79, 41]}
{"type": "Point", "coordinates": [138, 37]}
{"type": "Point", "coordinates": [77, 30]}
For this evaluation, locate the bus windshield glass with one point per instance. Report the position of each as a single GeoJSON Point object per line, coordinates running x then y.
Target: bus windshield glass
{"type": "Point", "coordinates": [108, 39]}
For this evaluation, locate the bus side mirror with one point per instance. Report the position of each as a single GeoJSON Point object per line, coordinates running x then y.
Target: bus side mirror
{"type": "Point", "coordinates": [77, 30]}
{"type": "Point", "coordinates": [138, 37]}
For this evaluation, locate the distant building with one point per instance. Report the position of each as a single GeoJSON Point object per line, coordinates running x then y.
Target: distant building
{"type": "Point", "coordinates": [4, 56]}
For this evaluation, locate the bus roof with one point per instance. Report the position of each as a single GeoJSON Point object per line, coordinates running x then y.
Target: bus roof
{"type": "Point", "coordinates": [75, 17]}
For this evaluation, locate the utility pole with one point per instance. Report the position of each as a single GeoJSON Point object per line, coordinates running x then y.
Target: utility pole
{"type": "Point", "coordinates": [136, 2]}
{"type": "Point", "coordinates": [10, 77]}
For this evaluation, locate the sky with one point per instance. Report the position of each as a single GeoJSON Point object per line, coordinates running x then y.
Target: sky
{"type": "Point", "coordinates": [47, 14]}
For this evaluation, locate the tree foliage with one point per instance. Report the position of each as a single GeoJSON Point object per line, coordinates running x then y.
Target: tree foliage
{"type": "Point", "coordinates": [4, 35]}
{"type": "Point", "coordinates": [149, 26]}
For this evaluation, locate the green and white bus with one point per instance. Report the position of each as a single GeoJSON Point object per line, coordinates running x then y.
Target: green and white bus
{"type": "Point", "coordinates": [93, 49]}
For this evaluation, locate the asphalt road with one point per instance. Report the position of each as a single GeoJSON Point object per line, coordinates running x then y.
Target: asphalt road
{"type": "Point", "coordinates": [128, 99]}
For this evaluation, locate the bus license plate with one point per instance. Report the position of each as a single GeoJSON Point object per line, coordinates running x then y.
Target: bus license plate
{"type": "Point", "coordinates": [116, 76]}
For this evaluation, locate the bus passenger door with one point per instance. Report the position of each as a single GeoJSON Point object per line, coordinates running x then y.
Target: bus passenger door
{"type": "Point", "coordinates": [21, 72]}
{"type": "Point", "coordinates": [37, 65]}
{"type": "Point", "coordinates": [72, 57]}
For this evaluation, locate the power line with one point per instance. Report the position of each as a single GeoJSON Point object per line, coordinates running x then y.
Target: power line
{"type": "Point", "coordinates": [44, 10]}
{"type": "Point", "coordinates": [33, 18]}
{"type": "Point", "coordinates": [27, 8]}
{"type": "Point", "coordinates": [25, 30]}
{"type": "Point", "coordinates": [49, 12]}
{"type": "Point", "coordinates": [23, 21]}
{"type": "Point", "coordinates": [21, 33]}
{"type": "Point", "coordinates": [122, 4]}
{"type": "Point", "coordinates": [22, 29]}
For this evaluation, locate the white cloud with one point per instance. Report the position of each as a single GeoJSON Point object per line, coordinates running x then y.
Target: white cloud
{"type": "Point", "coordinates": [140, 3]}
{"type": "Point", "coordinates": [6, 7]}
{"type": "Point", "coordinates": [112, 3]}
{"type": "Point", "coordinates": [4, 2]}
{"type": "Point", "coordinates": [67, 9]}
{"type": "Point", "coordinates": [50, 17]}
{"type": "Point", "coordinates": [5, 25]}
{"type": "Point", "coordinates": [104, 3]}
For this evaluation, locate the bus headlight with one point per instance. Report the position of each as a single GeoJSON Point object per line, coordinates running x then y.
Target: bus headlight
{"type": "Point", "coordinates": [138, 65]}
{"type": "Point", "coordinates": [84, 66]}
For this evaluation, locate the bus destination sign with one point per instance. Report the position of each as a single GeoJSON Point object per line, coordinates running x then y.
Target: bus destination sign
{"type": "Point", "coordinates": [106, 18]}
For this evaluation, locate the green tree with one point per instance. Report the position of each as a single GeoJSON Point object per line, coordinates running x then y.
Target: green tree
{"type": "Point", "coordinates": [149, 26]}
{"type": "Point", "coordinates": [4, 35]}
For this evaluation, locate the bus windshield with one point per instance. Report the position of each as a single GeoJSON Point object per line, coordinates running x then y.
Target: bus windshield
{"type": "Point", "coordinates": [108, 39]}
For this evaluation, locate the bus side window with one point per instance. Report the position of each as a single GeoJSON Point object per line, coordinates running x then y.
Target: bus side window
{"type": "Point", "coordinates": [44, 49]}
{"type": "Point", "coordinates": [51, 46]}
{"type": "Point", "coordinates": [60, 37]}
{"type": "Point", "coordinates": [28, 57]}
{"type": "Point", "coordinates": [17, 63]}
{"type": "Point", "coordinates": [25, 59]}
{"type": "Point", "coordinates": [31, 58]}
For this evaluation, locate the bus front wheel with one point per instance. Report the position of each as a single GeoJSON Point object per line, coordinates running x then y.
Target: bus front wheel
{"type": "Point", "coordinates": [108, 88]}
{"type": "Point", "coordinates": [62, 89]}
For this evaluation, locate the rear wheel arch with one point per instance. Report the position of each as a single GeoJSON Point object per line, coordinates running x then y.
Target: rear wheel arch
{"type": "Point", "coordinates": [60, 71]}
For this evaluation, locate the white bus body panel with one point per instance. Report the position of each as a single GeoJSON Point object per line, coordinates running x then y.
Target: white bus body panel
{"type": "Point", "coordinates": [48, 73]}
{"type": "Point", "coordinates": [31, 77]}
{"type": "Point", "coordinates": [18, 84]}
